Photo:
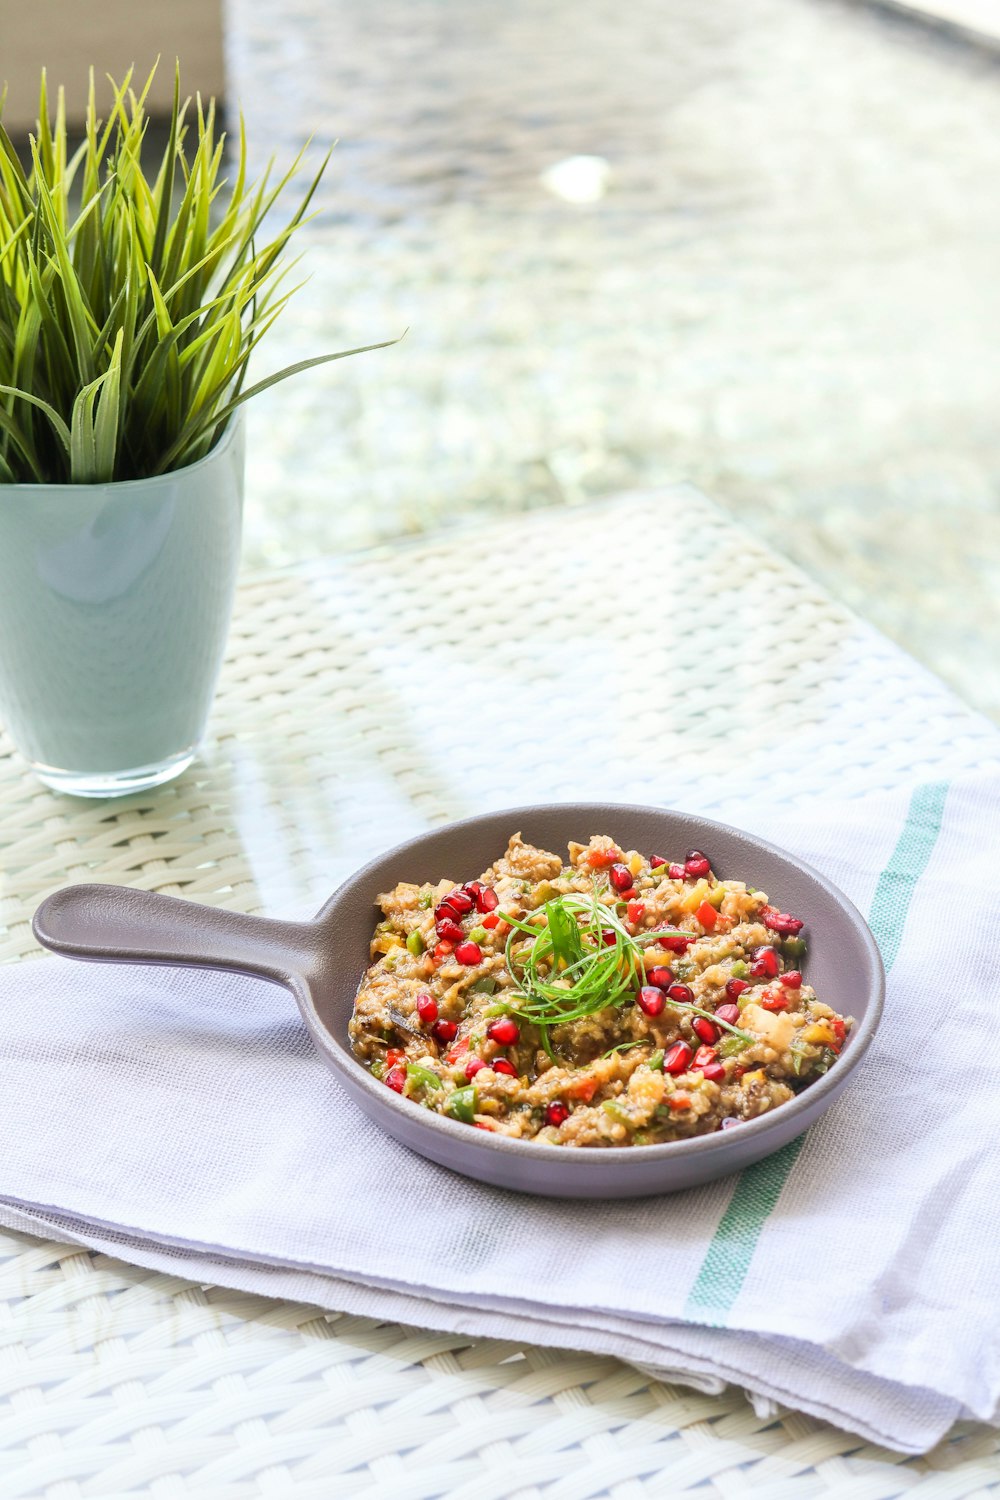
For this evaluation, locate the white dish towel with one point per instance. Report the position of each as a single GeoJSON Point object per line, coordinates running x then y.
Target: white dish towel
{"type": "Point", "coordinates": [183, 1121]}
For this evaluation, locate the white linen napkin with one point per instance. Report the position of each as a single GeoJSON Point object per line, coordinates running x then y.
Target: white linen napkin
{"type": "Point", "coordinates": [184, 1122]}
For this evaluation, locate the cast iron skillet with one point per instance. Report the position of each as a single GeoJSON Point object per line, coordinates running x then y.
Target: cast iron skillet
{"type": "Point", "coordinates": [322, 962]}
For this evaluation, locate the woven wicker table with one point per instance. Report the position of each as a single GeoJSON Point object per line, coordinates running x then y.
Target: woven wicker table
{"type": "Point", "coordinates": [643, 649]}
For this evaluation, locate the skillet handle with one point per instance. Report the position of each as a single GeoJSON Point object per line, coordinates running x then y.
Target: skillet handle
{"type": "Point", "coordinates": [116, 924]}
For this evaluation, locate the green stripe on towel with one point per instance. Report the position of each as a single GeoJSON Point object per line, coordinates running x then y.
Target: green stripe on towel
{"type": "Point", "coordinates": [728, 1257]}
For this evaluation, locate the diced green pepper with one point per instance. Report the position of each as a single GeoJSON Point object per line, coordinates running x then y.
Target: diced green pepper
{"type": "Point", "coordinates": [796, 946]}
{"type": "Point", "coordinates": [613, 1108]}
{"type": "Point", "coordinates": [730, 1045]}
{"type": "Point", "coordinates": [415, 943]}
{"type": "Point", "coordinates": [422, 1077]}
{"type": "Point", "coordinates": [486, 985]}
{"type": "Point", "coordinates": [656, 1061]}
{"type": "Point", "coordinates": [478, 935]}
{"type": "Point", "coordinates": [739, 970]}
{"type": "Point", "coordinates": [462, 1105]}
{"type": "Point", "coordinates": [716, 895]}
{"type": "Point", "coordinates": [425, 899]}
{"type": "Point", "coordinates": [378, 1068]}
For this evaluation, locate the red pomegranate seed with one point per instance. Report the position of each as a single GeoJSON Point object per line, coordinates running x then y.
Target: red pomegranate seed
{"type": "Point", "coordinates": [636, 911]}
{"type": "Point", "coordinates": [682, 992]}
{"type": "Point", "coordinates": [676, 1058]}
{"type": "Point", "coordinates": [621, 877]}
{"type": "Point", "coordinates": [676, 942]}
{"type": "Point", "coordinates": [556, 1113]}
{"type": "Point", "coordinates": [730, 1013]}
{"type": "Point", "coordinates": [714, 1072]}
{"type": "Point", "coordinates": [449, 930]}
{"type": "Point", "coordinates": [503, 1030]}
{"type": "Point", "coordinates": [396, 1079]}
{"type": "Point", "coordinates": [427, 1009]}
{"type": "Point", "coordinates": [472, 1066]}
{"type": "Point", "coordinates": [655, 861]}
{"type": "Point", "coordinates": [444, 1032]}
{"type": "Point", "coordinates": [501, 1065]}
{"type": "Point", "coordinates": [792, 980]}
{"type": "Point", "coordinates": [696, 864]}
{"type": "Point", "coordinates": [444, 911]}
{"type": "Point", "coordinates": [773, 1000]}
{"type": "Point", "coordinates": [676, 872]}
{"type": "Point", "coordinates": [703, 1056]}
{"type": "Point", "coordinates": [460, 900]}
{"type": "Point", "coordinates": [472, 888]}
{"type": "Point", "coordinates": [736, 987]}
{"type": "Point", "coordinates": [651, 1000]}
{"type": "Point", "coordinates": [764, 963]}
{"type": "Point", "coordinates": [781, 922]}
{"type": "Point", "coordinates": [705, 1030]}
{"type": "Point", "coordinates": [487, 900]}
{"type": "Point", "coordinates": [660, 975]}
{"type": "Point", "coordinates": [491, 920]}
{"type": "Point", "coordinates": [469, 953]}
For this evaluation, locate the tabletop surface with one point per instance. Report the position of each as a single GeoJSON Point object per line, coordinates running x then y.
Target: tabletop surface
{"type": "Point", "coordinates": [643, 649]}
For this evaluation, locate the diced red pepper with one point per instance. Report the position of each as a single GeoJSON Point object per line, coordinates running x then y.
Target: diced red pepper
{"type": "Point", "coordinates": [443, 951]}
{"type": "Point", "coordinates": [839, 1031]}
{"type": "Point", "coordinates": [491, 920]}
{"type": "Point", "coordinates": [714, 1072]}
{"type": "Point", "coordinates": [679, 1101]}
{"type": "Point", "coordinates": [454, 1053]}
{"type": "Point", "coordinates": [704, 1056]}
{"type": "Point", "coordinates": [599, 859]}
{"type": "Point", "coordinates": [582, 1088]}
{"type": "Point", "coordinates": [773, 1000]}
{"type": "Point", "coordinates": [394, 1055]}
{"type": "Point", "coordinates": [707, 916]}
{"type": "Point", "coordinates": [676, 942]}
{"type": "Point", "coordinates": [636, 912]}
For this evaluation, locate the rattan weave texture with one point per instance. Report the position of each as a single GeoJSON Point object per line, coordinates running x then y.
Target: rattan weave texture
{"type": "Point", "coordinates": [646, 646]}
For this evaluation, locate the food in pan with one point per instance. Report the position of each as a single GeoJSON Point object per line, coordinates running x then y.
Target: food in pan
{"type": "Point", "coordinates": [618, 999]}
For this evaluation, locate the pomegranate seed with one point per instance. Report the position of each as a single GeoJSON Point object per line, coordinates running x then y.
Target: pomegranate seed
{"type": "Point", "coordinates": [714, 1072]}
{"type": "Point", "coordinates": [621, 877]}
{"type": "Point", "coordinates": [781, 922]}
{"type": "Point", "coordinates": [469, 953]}
{"type": "Point", "coordinates": [792, 980]}
{"type": "Point", "coordinates": [696, 864]}
{"type": "Point", "coordinates": [491, 920]}
{"type": "Point", "coordinates": [676, 942]}
{"type": "Point", "coordinates": [608, 938]}
{"type": "Point", "coordinates": [730, 1013]}
{"type": "Point", "coordinates": [773, 1000]}
{"type": "Point", "coordinates": [556, 1113]}
{"type": "Point", "coordinates": [682, 992]}
{"type": "Point", "coordinates": [445, 912]}
{"type": "Point", "coordinates": [487, 900]}
{"type": "Point", "coordinates": [651, 1000]}
{"type": "Point", "coordinates": [705, 1030]}
{"type": "Point", "coordinates": [472, 888]}
{"type": "Point", "coordinates": [660, 975]}
{"type": "Point", "coordinates": [501, 1065]}
{"type": "Point", "coordinates": [503, 1030]}
{"type": "Point", "coordinates": [636, 911]}
{"type": "Point", "coordinates": [676, 872]}
{"type": "Point", "coordinates": [764, 963]}
{"type": "Point", "coordinates": [676, 1058]}
{"type": "Point", "coordinates": [427, 1009]}
{"type": "Point", "coordinates": [444, 1032]}
{"type": "Point", "coordinates": [655, 861]}
{"type": "Point", "coordinates": [703, 1056]}
{"type": "Point", "coordinates": [472, 1067]}
{"type": "Point", "coordinates": [461, 901]}
{"type": "Point", "coordinates": [736, 987]}
{"type": "Point", "coordinates": [449, 930]}
{"type": "Point", "coordinates": [396, 1079]}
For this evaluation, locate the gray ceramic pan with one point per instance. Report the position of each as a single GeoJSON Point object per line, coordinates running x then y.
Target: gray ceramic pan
{"type": "Point", "coordinates": [321, 962]}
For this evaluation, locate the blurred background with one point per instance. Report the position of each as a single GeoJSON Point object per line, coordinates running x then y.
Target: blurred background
{"type": "Point", "coordinates": [753, 244]}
